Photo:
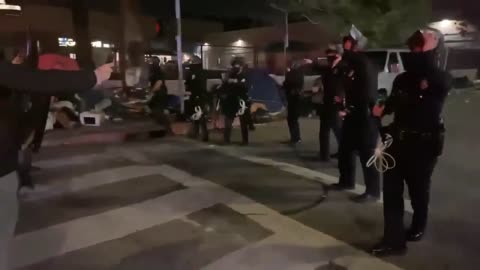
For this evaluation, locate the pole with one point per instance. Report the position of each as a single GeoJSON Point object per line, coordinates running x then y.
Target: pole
{"type": "Point", "coordinates": [81, 24]}
{"type": "Point", "coordinates": [286, 38]}
{"type": "Point", "coordinates": [122, 50]}
{"type": "Point", "coordinates": [181, 86]}
{"type": "Point", "coordinates": [201, 56]}
{"type": "Point", "coordinates": [286, 42]}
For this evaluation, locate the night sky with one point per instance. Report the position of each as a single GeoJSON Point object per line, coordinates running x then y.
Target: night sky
{"type": "Point", "coordinates": [233, 13]}
{"type": "Point", "coordinates": [256, 10]}
{"type": "Point", "coordinates": [211, 8]}
{"type": "Point", "coordinates": [469, 9]}
{"type": "Point", "coordinates": [198, 8]}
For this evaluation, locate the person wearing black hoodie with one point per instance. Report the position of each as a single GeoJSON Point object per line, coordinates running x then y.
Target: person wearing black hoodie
{"type": "Point", "coordinates": [14, 79]}
{"type": "Point", "coordinates": [417, 101]}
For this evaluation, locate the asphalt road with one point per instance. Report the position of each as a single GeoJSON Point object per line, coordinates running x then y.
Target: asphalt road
{"type": "Point", "coordinates": [186, 205]}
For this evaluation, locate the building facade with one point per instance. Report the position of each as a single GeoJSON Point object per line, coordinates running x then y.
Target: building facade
{"type": "Point", "coordinates": [264, 47]}
{"type": "Point", "coordinates": [53, 26]}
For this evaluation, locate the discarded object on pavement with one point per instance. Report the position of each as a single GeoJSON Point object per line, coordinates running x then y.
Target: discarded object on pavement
{"type": "Point", "coordinates": [91, 119]}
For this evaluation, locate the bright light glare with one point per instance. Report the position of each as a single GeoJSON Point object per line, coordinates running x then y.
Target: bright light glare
{"type": "Point", "coordinates": [446, 23]}
{"type": "Point", "coordinates": [206, 44]}
{"type": "Point", "coordinates": [97, 44]}
{"type": "Point", "coordinates": [240, 43]}
{"type": "Point", "coordinates": [4, 6]}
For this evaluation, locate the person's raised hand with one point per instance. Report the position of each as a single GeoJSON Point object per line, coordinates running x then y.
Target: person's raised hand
{"type": "Point", "coordinates": [103, 73]}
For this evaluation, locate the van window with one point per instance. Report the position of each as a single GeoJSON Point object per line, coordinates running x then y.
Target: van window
{"type": "Point", "coordinates": [393, 63]}
{"type": "Point", "coordinates": [378, 59]}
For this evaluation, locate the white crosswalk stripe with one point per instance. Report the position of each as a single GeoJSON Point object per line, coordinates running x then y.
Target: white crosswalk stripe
{"type": "Point", "coordinates": [292, 245]}
{"type": "Point", "coordinates": [92, 180]}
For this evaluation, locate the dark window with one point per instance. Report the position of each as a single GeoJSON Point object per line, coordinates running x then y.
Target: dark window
{"type": "Point", "coordinates": [393, 63]}
{"type": "Point", "coordinates": [404, 55]}
{"type": "Point", "coordinates": [378, 59]}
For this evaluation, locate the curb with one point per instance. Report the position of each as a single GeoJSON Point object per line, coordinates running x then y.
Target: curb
{"type": "Point", "coordinates": [105, 138]}
{"type": "Point", "coordinates": [138, 132]}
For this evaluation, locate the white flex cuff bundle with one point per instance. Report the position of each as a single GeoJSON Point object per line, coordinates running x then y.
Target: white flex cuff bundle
{"type": "Point", "coordinates": [382, 160]}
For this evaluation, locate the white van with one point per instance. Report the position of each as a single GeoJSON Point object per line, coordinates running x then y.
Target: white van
{"type": "Point", "coordinates": [389, 63]}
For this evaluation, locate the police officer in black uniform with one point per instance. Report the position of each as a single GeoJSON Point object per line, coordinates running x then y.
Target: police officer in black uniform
{"type": "Point", "coordinates": [196, 85]}
{"type": "Point", "coordinates": [360, 130]}
{"type": "Point", "coordinates": [329, 118]}
{"type": "Point", "coordinates": [158, 104]}
{"type": "Point", "coordinates": [417, 101]}
{"type": "Point", "coordinates": [235, 100]}
{"type": "Point", "coordinates": [293, 85]}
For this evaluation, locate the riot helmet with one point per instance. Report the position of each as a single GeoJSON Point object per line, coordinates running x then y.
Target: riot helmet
{"type": "Point", "coordinates": [349, 43]}
{"type": "Point", "coordinates": [425, 50]}
{"type": "Point", "coordinates": [237, 64]}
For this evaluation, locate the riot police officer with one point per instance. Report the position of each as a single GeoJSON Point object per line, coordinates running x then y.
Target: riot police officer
{"type": "Point", "coordinates": [293, 86]}
{"type": "Point", "coordinates": [329, 118]}
{"type": "Point", "coordinates": [196, 86]}
{"type": "Point", "coordinates": [417, 100]}
{"type": "Point", "coordinates": [360, 131]}
{"type": "Point", "coordinates": [235, 100]}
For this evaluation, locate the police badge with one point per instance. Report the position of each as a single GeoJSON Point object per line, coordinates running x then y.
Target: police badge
{"type": "Point", "coordinates": [424, 84]}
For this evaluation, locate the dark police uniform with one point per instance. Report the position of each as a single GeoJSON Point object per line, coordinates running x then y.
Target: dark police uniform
{"type": "Point", "coordinates": [196, 84]}
{"type": "Point", "coordinates": [329, 118]}
{"type": "Point", "coordinates": [417, 100]}
{"type": "Point", "coordinates": [158, 103]}
{"type": "Point", "coordinates": [231, 93]}
{"type": "Point", "coordinates": [21, 78]}
{"type": "Point", "coordinates": [360, 130]}
{"type": "Point", "coordinates": [293, 85]}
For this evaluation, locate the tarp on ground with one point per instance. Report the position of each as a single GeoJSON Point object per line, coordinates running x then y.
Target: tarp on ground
{"type": "Point", "coordinates": [265, 90]}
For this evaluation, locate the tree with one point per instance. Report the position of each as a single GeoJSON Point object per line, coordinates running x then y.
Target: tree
{"type": "Point", "coordinates": [80, 16]}
{"type": "Point", "coordinates": [384, 22]}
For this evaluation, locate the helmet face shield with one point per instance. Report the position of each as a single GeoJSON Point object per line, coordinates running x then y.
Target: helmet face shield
{"type": "Point", "coordinates": [431, 40]}
{"type": "Point", "coordinates": [355, 40]}
{"type": "Point", "coordinates": [423, 41]}
{"type": "Point", "coordinates": [427, 51]}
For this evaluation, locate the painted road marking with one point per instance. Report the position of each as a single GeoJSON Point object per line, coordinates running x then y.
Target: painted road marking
{"type": "Point", "coordinates": [91, 180]}
{"type": "Point", "coordinates": [293, 245]}
{"type": "Point", "coordinates": [54, 241]}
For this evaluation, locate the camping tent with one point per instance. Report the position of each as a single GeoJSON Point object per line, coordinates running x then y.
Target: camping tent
{"type": "Point", "coordinates": [265, 90]}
